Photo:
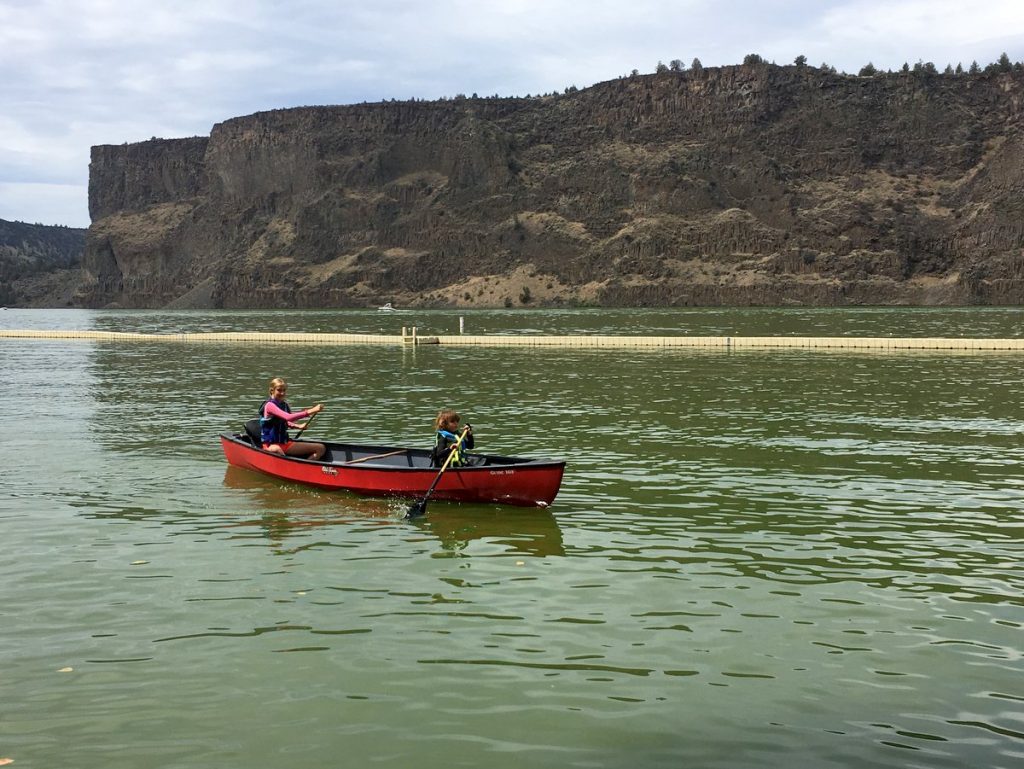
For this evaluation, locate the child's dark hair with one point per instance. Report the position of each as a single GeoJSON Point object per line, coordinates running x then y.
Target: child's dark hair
{"type": "Point", "coordinates": [444, 416]}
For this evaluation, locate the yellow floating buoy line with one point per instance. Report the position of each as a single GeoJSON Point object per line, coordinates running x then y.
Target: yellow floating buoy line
{"type": "Point", "coordinates": [410, 337]}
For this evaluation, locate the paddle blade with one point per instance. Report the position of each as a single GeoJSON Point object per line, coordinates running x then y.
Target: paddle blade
{"type": "Point", "coordinates": [416, 509]}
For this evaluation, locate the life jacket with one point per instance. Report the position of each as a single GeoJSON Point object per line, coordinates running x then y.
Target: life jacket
{"type": "Point", "coordinates": [442, 441]}
{"type": "Point", "coordinates": [273, 429]}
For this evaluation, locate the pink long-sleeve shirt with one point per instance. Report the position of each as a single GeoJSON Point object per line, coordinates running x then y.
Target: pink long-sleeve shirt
{"type": "Point", "coordinates": [273, 410]}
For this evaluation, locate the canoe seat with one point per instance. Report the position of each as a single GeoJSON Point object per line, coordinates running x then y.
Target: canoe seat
{"type": "Point", "coordinates": [252, 432]}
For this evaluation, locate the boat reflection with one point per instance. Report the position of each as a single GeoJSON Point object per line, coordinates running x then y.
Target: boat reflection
{"type": "Point", "coordinates": [282, 510]}
{"type": "Point", "coordinates": [528, 531]}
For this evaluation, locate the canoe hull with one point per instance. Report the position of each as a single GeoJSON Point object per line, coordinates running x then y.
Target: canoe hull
{"type": "Point", "coordinates": [382, 471]}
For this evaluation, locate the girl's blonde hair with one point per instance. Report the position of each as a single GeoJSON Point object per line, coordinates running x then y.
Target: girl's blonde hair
{"type": "Point", "coordinates": [275, 383]}
{"type": "Point", "coordinates": [446, 415]}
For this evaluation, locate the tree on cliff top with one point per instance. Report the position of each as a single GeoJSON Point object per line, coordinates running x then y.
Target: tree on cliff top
{"type": "Point", "coordinates": [1003, 64]}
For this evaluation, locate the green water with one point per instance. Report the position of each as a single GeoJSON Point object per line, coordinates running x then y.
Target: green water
{"type": "Point", "coordinates": [757, 559]}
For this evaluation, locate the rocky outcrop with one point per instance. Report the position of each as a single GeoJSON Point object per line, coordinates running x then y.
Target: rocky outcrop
{"type": "Point", "coordinates": [38, 264]}
{"type": "Point", "coordinates": [754, 184]}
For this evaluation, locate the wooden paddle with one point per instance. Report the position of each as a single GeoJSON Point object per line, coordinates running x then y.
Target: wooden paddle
{"type": "Point", "coordinates": [373, 456]}
{"type": "Point", "coordinates": [420, 507]}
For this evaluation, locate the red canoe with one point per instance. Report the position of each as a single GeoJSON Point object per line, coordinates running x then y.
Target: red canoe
{"type": "Point", "coordinates": [393, 471]}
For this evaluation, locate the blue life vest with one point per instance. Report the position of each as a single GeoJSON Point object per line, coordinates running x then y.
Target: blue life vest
{"type": "Point", "coordinates": [443, 443]}
{"type": "Point", "coordinates": [274, 429]}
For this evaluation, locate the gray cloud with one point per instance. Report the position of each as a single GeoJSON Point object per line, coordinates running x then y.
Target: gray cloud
{"type": "Point", "coordinates": [74, 73]}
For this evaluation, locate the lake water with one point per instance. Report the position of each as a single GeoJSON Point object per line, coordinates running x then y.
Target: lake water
{"type": "Point", "coordinates": [777, 558]}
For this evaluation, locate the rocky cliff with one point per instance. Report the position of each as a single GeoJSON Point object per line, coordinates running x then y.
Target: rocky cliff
{"type": "Point", "coordinates": [753, 184]}
{"type": "Point", "coordinates": [38, 264]}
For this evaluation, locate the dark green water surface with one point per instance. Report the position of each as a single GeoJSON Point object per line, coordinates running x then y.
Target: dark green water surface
{"type": "Point", "coordinates": [783, 558]}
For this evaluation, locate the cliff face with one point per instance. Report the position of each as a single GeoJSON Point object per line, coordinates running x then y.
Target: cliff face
{"type": "Point", "coordinates": [38, 264]}
{"type": "Point", "coordinates": [741, 185]}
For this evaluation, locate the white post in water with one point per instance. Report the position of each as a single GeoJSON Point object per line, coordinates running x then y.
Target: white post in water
{"type": "Point", "coordinates": [462, 324]}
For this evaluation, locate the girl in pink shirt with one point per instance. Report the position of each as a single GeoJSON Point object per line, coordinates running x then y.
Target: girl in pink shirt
{"type": "Point", "coordinates": [276, 417]}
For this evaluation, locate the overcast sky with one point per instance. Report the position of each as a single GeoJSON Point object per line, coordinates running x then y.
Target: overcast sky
{"type": "Point", "coordinates": [75, 73]}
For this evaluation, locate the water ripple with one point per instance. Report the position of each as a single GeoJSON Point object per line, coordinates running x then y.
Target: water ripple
{"type": "Point", "coordinates": [739, 537]}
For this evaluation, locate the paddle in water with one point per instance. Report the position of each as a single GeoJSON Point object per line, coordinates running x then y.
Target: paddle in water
{"type": "Point", "coordinates": [420, 506]}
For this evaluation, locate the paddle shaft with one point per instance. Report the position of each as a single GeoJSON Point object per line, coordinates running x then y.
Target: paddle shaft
{"type": "Point", "coordinates": [373, 456]}
{"type": "Point", "coordinates": [300, 432]}
{"type": "Point", "coordinates": [419, 508]}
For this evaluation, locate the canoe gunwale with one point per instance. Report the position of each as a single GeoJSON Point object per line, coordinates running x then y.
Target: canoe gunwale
{"type": "Point", "coordinates": [490, 460]}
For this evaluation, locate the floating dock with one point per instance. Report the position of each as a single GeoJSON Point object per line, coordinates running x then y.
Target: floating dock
{"type": "Point", "coordinates": [410, 337]}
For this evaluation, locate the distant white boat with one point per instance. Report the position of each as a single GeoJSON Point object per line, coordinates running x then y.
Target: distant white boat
{"type": "Point", "coordinates": [386, 307]}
